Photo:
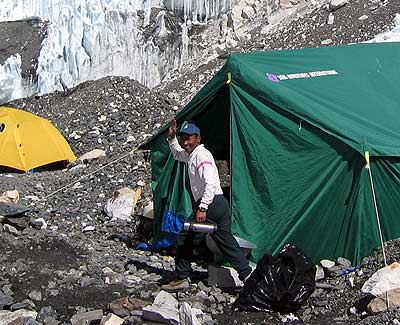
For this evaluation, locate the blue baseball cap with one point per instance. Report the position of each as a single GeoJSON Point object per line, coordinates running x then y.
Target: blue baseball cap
{"type": "Point", "coordinates": [189, 129]}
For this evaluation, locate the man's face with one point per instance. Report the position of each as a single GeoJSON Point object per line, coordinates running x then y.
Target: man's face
{"type": "Point", "coordinates": [190, 142]}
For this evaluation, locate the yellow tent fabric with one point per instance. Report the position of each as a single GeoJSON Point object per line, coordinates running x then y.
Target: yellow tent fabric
{"type": "Point", "coordinates": [28, 141]}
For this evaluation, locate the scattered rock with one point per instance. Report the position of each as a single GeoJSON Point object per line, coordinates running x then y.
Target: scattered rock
{"type": "Point", "coordinates": [11, 230]}
{"type": "Point", "coordinates": [390, 299]}
{"type": "Point", "coordinates": [25, 304]}
{"type": "Point", "coordinates": [344, 262]}
{"type": "Point", "coordinates": [223, 276]}
{"type": "Point", "coordinates": [94, 154]}
{"type": "Point", "coordinates": [191, 316]}
{"type": "Point", "coordinates": [6, 317]}
{"type": "Point", "coordinates": [111, 319]}
{"type": "Point", "coordinates": [35, 295]}
{"type": "Point", "coordinates": [39, 223]}
{"type": "Point", "coordinates": [5, 300]}
{"type": "Point", "coordinates": [87, 317]}
{"type": "Point", "coordinates": [327, 264]}
{"type": "Point", "coordinates": [319, 274]}
{"type": "Point", "coordinates": [163, 310]}
{"type": "Point", "coordinates": [336, 4]}
{"type": "Point", "coordinates": [45, 313]}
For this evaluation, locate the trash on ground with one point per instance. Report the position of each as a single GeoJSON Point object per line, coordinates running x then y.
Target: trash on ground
{"type": "Point", "coordinates": [279, 284]}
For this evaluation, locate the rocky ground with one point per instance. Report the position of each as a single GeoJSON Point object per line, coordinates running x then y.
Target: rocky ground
{"type": "Point", "coordinates": [63, 260]}
{"type": "Point", "coordinates": [23, 37]}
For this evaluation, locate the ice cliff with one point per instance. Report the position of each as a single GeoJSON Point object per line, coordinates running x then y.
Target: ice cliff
{"type": "Point", "coordinates": [89, 39]}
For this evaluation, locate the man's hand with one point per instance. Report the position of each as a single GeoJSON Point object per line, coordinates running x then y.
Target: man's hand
{"type": "Point", "coordinates": [201, 216]}
{"type": "Point", "coordinates": [172, 130]}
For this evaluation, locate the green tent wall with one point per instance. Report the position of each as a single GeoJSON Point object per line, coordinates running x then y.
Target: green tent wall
{"type": "Point", "coordinates": [295, 126]}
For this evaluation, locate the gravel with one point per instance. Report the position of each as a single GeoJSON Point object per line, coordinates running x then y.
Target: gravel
{"type": "Point", "coordinates": [61, 271]}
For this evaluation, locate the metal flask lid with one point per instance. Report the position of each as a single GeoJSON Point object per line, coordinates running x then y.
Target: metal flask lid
{"type": "Point", "coordinates": [208, 228]}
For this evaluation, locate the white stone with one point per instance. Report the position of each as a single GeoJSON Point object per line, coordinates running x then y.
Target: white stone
{"type": "Point", "coordinates": [41, 222]}
{"type": "Point", "coordinates": [10, 229]}
{"type": "Point", "coordinates": [223, 276]}
{"type": "Point", "coordinates": [331, 19]}
{"type": "Point", "coordinates": [327, 41]}
{"type": "Point", "coordinates": [35, 295]}
{"type": "Point", "coordinates": [319, 274]}
{"type": "Point", "coordinates": [336, 4]}
{"type": "Point", "coordinates": [74, 135]}
{"type": "Point", "coordinates": [130, 138]}
{"type": "Point", "coordinates": [88, 228]}
{"type": "Point", "coordinates": [148, 211]}
{"type": "Point", "coordinates": [31, 197]}
{"type": "Point", "coordinates": [6, 317]}
{"type": "Point", "coordinates": [385, 279]}
{"type": "Point", "coordinates": [248, 12]}
{"type": "Point", "coordinates": [344, 262]}
{"type": "Point", "coordinates": [327, 263]}
{"type": "Point", "coordinates": [353, 310]}
{"type": "Point", "coordinates": [363, 17]}
{"type": "Point", "coordinates": [189, 315]}
{"type": "Point", "coordinates": [107, 271]}
{"type": "Point", "coordinates": [163, 310]}
{"type": "Point", "coordinates": [111, 319]}
{"type": "Point", "coordinates": [350, 280]}
{"type": "Point", "coordinates": [93, 316]}
{"type": "Point", "coordinates": [10, 196]}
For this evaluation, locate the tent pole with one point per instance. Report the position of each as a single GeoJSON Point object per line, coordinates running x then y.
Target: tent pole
{"type": "Point", "coordinates": [368, 166]}
{"type": "Point", "coordinates": [230, 155]}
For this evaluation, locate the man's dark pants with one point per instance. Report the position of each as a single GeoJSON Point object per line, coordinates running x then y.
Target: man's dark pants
{"type": "Point", "coordinates": [219, 213]}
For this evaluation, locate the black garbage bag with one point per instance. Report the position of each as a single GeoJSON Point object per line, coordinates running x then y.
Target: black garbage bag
{"type": "Point", "coordinates": [279, 284]}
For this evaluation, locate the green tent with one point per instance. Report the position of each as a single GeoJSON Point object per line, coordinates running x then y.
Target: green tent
{"type": "Point", "coordinates": [294, 126]}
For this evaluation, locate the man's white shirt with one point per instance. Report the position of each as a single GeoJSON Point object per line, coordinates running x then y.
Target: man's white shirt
{"type": "Point", "coordinates": [203, 172]}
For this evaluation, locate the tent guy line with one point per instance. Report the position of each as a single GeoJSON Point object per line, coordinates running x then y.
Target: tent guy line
{"type": "Point", "coordinates": [131, 152]}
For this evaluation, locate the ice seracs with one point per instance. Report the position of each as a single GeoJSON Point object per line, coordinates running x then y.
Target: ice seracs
{"type": "Point", "coordinates": [90, 39]}
{"type": "Point", "coordinates": [11, 83]}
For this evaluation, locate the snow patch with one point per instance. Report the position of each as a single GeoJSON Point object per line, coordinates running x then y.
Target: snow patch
{"type": "Point", "coordinates": [391, 35]}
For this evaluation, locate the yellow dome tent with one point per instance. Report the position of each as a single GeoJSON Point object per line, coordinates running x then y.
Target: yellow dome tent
{"type": "Point", "coordinates": [28, 141]}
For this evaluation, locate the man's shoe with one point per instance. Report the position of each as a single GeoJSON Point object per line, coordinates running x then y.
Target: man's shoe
{"type": "Point", "coordinates": [176, 286]}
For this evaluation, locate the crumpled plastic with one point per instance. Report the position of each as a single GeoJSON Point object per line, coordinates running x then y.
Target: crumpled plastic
{"type": "Point", "coordinates": [172, 223]}
{"type": "Point", "coordinates": [157, 246]}
{"type": "Point", "coordinates": [122, 204]}
{"type": "Point", "coordinates": [279, 284]}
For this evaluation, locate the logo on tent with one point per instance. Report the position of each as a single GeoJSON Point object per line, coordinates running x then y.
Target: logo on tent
{"type": "Point", "coordinates": [2, 127]}
{"type": "Point", "coordinates": [301, 75]}
{"type": "Point", "coordinates": [273, 77]}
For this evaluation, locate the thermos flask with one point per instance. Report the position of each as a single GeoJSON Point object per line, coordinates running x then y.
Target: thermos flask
{"type": "Point", "coordinates": [208, 228]}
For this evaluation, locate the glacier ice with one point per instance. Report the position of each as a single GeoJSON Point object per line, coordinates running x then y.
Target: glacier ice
{"type": "Point", "coordinates": [199, 11]}
{"type": "Point", "coordinates": [12, 85]}
{"type": "Point", "coordinates": [90, 39]}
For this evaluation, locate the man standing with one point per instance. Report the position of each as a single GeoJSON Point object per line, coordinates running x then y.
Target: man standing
{"type": "Point", "coordinates": [209, 204]}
